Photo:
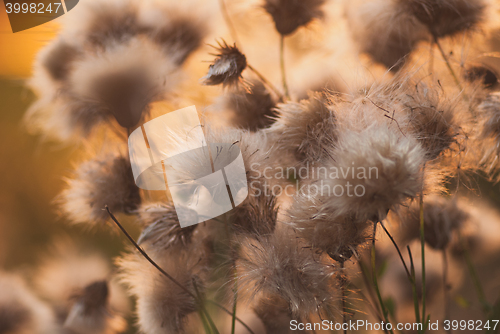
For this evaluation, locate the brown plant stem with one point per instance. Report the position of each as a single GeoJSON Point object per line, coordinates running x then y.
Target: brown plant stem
{"type": "Point", "coordinates": [365, 274]}
{"type": "Point", "coordinates": [422, 245]}
{"type": "Point", "coordinates": [265, 81]}
{"type": "Point", "coordinates": [342, 289]}
{"type": "Point", "coordinates": [443, 54]}
{"type": "Point", "coordinates": [234, 36]}
{"type": "Point", "coordinates": [229, 22]}
{"type": "Point", "coordinates": [413, 285]}
{"type": "Point", "coordinates": [398, 250]}
{"type": "Point", "coordinates": [446, 290]}
{"type": "Point", "coordinates": [282, 65]}
{"type": "Point", "coordinates": [385, 313]}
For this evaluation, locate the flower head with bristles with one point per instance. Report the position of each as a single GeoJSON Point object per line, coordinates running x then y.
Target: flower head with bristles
{"type": "Point", "coordinates": [227, 66]}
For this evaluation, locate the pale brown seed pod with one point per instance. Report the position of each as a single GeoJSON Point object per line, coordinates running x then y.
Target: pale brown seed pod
{"type": "Point", "coordinates": [303, 130]}
{"type": "Point", "coordinates": [162, 306]}
{"type": "Point", "coordinates": [161, 225]}
{"type": "Point", "coordinates": [105, 181]}
{"type": "Point", "coordinates": [442, 218]}
{"type": "Point", "coordinates": [227, 66]}
{"type": "Point", "coordinates": [385, 32]}
{"type": "Point", "coordinates": [339, 237]}
{"type": "Point", "coordinates": [251, 108]}
{"type": "Point", "coordinates": [279, 265]}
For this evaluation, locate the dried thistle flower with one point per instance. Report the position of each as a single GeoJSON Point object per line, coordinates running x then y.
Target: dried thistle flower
{"type": "Point", "coordinates": [90, 312]}
{"type": "Point", "coordinates": [253, 109]}
{"type": "Point", "coordinates": [432, 119]}
{"type": "Point", "coordinates": [117, 83]}
{"type": "Point", "coordinates": [162, 307]}
{"type": "Point", "coordinates": [58, 58]}
{"type": "Point", "coordinates": [305, 129]}
{"type": "Point", "coordinates": [20, 311]}
{"type": "Point", "coordinates": [179, 36]}
{"type": "Point", "coordinates": [490, 110]}
{"type": "Point", "coordinates": [446, 17]}
{"type": "Point", "coordinates": [488, 139]}
{"type": "Point", "coordinates": [441, 218]}
{"type": "Point", "coordinates": [386, 33]}
{"type": "Point", "coordinates": [161, 226]}
{"type": "Point", "coordinates": [227, 66]}
{"type": "Point", "coordinates": [339, 237]}
{"type": "Point", "coordinates": [104, 181]}
{"type": "Point", "coordinates": [381, 166]}
{"type": "Point", "coordinates": [102, 23]}
{"type": "Point", "coordinates": [258, 213]}
{"type": "Point", "coordinates": [288, 15]}
{"type": "Point", "coordinates": [279, 265]}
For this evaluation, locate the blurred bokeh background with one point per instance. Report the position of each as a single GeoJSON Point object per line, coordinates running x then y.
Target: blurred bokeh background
{"type": "Point", "coordinates": [32, 171]}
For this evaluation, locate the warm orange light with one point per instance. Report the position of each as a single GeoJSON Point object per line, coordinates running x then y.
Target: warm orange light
{"type": "Point", "coordinates": [17, 51]}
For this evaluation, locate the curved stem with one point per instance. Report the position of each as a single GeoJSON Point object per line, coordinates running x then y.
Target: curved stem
{"type": "Point", "coordinates": [422, 245]}
{"type": "Point", "coordinates": [265, 81]}
{"type": "Point", "coordinates": [414, 286]}
{"type": "Point", "coordinates": [443, 54]}
{"type": "Point", "coordinates": [342, 289]}
{"type": "Point", "coordinates": [385, 313]}
{"type": "Point", "coordinates": [445, 289]}
{"type": "Point", "coordinates": [397, 248]}
{"type": "Point", "coordinates": [163, 272]}
{"type": "Point", "coordinates": [229, 22]}
{"type": "Point", "coordinates": [146, 256]}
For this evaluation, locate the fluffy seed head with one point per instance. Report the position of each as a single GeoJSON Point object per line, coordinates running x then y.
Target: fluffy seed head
{"type": "Point", "coordinates": [432, 120]}
{"type": "Point", "coordinates": [117, 83]}
{"type": "Point", "coordinates": [58, 58]}
{"type": "Point", "coordinates": [339, 237]}
{"type": "Point", "coordinates": [382, 167]}
{"type": "Point", "coordinates": [288, 15]}
{"type": "Point", "coordinates": [258, 213]}
{"type": "Point", "coordinates": [161, 226]}
{"type": "Point", "coordinates": [490, 110]}
{"type": "Point", "coordinates": [104, 181]}
{"type": "Point", "coordinates": [385, 32]}
{"type": "Point", "coordinates": [178, 36]}
{"type": "Point", "coordinates": [253, 109]}
{"type": "Point", "coordinates": [227, 67]}
{"type": "Point", "coordinates": [102, 23]}
{"type": "Point", "coordinates": [441, 217]}
{"type": "Point", "coordinates": [446, 17]}
{"type": "Point", "coordinates": [162, 307]}
{"type": "Point", "coordinates": [279, 265]}
{"type": "Point", "coordinates": [305, 129]}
